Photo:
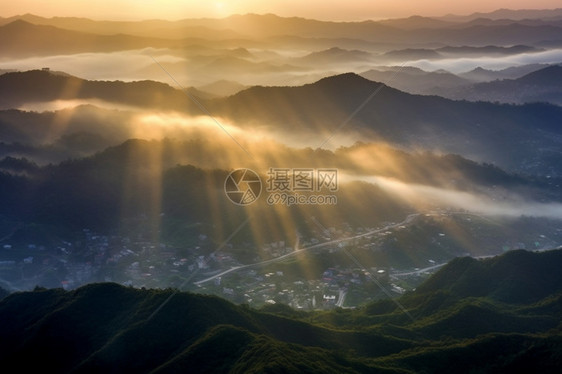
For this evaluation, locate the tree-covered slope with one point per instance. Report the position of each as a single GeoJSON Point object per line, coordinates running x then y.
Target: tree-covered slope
{"type": "Point", "coordinates": [454, 323]}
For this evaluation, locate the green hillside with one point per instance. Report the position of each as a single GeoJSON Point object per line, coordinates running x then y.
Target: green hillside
{"type": "Point", "coordinates": [468, 317]}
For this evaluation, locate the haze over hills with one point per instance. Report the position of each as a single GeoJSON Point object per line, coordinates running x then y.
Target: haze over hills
{"type": "Point", "coordinates": [366, 196]}
{"type": "Point", "coordinates": [127, 36]}
{"type": "Point", "coordinates": [488, 50]}
{"type": "Point", "coordinates": [283, 49]}
{"type": "Point", "coordinates": [471, 129]}
{"type": "Point", "coordinates": [334, 56]}
{"type": "Point", "coordinates": [519, 84]}
{"type": "Point", "coordinates": [539, 86]}
{"type": "Point", "coordinates": [223, 88]}
{"type": "Point", "coordinates": [134, 155]}
{"type": "Point", "coordinates": [514, 14]}
{"type": "Point", "coordinates": [23, 39]}
{"type": "Point", "coordinates": [310, 109]}
{"type": "Point", "coordinates": [415, 80]}
{"type": "Point", "coordinates": [50, 205]}
{"type": "Point", "coordinates": [483, 75]}
{"type": "Point", "coordinates": [451, 52]}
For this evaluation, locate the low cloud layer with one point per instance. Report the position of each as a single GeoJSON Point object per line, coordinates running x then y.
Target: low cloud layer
{"type": "Point", "coordinates": [504, 204]}
{"type": "Point", "coordinates": [464, 64]}
{"type": "Point", "coordinates": [98, 66]}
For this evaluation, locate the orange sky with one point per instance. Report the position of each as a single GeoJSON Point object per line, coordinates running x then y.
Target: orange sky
{"type": "Point", "coordinates": [319, 9]}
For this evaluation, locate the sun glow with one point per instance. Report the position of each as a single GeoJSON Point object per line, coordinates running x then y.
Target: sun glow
{"type": "Point", "coordinates": [173, 9]}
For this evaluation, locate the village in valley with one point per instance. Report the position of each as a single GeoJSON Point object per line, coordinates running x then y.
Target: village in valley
{"type": "Point", "coordinates": [270, 274]}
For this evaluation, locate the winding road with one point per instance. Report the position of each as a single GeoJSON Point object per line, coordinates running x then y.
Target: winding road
{"type": "Point", "coordinates": [408, 219]}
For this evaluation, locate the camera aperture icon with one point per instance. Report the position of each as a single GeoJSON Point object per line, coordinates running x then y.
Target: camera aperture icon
{"type": "Point", "coordinates": [242, 186]}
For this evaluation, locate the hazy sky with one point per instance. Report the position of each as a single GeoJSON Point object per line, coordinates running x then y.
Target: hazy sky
{"type": "Point", "coordinates": [319, 9]}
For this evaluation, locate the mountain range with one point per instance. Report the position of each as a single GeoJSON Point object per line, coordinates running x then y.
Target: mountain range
{"type": "Point", "coordinates": [435, 247]}
{"type": "Point", "coordinates": [470, 129]}
{"type": "Point", "coordinates": [519, 84]}
{"type": "Point", "coordinates": [539, 86]}
{"type": "Point", "coordinates": [170, 201]}
{"type": "Point", "coordinates": [23, 34]}
{"type": "Point", "coordinates": [471, 315]}
{"type": "Point", "coordinates": [23, 39]}
{"type": "Point", "coordinates": [485, 75]}
{"type": "Point", "coordinates": [284, 50]}
{"type": "Point", "coordinates": [467, 128]}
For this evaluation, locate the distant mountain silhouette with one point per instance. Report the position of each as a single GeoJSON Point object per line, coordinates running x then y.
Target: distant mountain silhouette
{"type": "Point", "coordinates": [70, 35]}
{"type": "Point", "coordinates": [519, 14]}
{"type": "Point", "coordinates": [455, 51]}
{"type": "Point", "coordinates": [551, 76]}
{"type": "Point", "coordinates": [334, 56]}
{"type": "Point", "coordinates": [412, 54]}
{"type": "Point", "coordinates": [148, 28]}
{"type": "Point", "coordinates": [541, 85]}
{"type": "Point", "coordinates": [223, 88]}
{"type": "Point", "coordinates": [552, 21]}
{"type": "Point", "coordinates": [230, 64]}
{"type": "Point", "coordinates": [484, 75]}
{"type": "Point", "coordinates": [415, 81]}
{"type": "Point", "coordinates": [511, 34]}
{"type": "Point", "coordinates": [20, 39]}
{"type": "Point", "coordinates": [416, 22]}
{"type": "Point", "coordinates": [488, 50]}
